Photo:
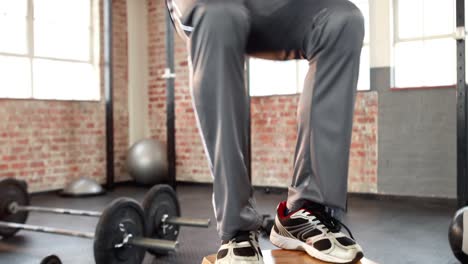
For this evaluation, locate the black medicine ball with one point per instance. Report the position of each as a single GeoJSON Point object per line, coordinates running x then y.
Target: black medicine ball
{"type": "Point", "coordinates": [52, 259]}
{"type": "Point", "coordinates": [458, 237]}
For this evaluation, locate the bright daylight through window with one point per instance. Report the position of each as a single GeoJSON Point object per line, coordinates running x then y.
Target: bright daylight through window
{"type": "Point", "coordinates": [49, 53]}
{"type": "Point", "coordinates": [287, 77]}
{"type": "Point", "coordinates": [424, 44]}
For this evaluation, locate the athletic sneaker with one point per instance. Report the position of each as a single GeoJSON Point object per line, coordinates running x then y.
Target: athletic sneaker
{"type": "Point", "coordinates": [242, 249]}
{"type": "Point", "coordinates": [315, 231]}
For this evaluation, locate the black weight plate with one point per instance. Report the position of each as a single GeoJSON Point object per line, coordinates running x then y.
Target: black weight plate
{"type": "Point", "coordinates": [161, 200]}
{"type": "Point", "coordinates": [12, 190]}
{"type": "Point", "coordinates": [52, 259]}
{"type": "Point", "coordinates": [123, 211]}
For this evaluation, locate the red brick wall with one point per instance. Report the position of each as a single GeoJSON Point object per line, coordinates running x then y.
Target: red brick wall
{"type": "Point", "coordinates": [191, 162]}
{"type": "Point", "coordinates": [156, 64]}
{"type": "Point", "coordinates": [120, 60]}
{"type": "Point", "coordinates": [363, 160]}
{"type": "Point", "coordinates": [50, 143]}
{"type": "Point", "coordinates": [273, 132]}
{"type": "Point", "coordinates": [274, 137]}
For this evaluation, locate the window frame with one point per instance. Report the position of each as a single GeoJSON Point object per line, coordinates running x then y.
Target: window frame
{"type": "Point", "coordinates": [93, 59]}
{"type": "Point", "coordinates": [397, 39]}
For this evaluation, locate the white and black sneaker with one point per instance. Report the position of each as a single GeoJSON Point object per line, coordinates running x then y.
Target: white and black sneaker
{"type": "Point", "coordinates": [242, 249]}
{"type": "Point", "coordinates": [315, 231]}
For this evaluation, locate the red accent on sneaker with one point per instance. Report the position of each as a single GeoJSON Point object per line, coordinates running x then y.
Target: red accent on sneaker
{"type": "Point", "coordinates": [282, 208]}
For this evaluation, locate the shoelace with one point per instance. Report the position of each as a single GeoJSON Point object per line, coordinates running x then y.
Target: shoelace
{"type": "Point", "coordinates": [326, 219]}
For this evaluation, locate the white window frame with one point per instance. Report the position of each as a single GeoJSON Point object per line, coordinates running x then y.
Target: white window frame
{"type": "Point", "coordinates": [94, 52]}
{"type": "Point", "coordinates": [397, 39]}
{"type": "Point", "coordinates": [299, 79]}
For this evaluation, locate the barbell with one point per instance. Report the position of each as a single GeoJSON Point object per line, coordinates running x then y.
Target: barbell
{"type": "Point", "coordinates": [154, 195]}
{"type": "Point", "coordinates": [120, 233]}
{"type": "Point", "coordinates": [14, 208]}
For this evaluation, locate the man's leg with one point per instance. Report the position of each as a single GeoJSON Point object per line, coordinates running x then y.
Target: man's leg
{"type": "Point", "coordinates": [329, 34]}
{"type": "Point", "coordinates": [221, 102]}
{"type": "Point", "coordinates": [325, 113]}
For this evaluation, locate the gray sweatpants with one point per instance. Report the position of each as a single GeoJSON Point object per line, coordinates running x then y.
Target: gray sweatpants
{"type": "Point", "coordinates": [329, 34]}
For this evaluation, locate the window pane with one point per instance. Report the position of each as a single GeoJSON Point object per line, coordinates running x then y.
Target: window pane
{"type": "Point", "coordinates": [16, 8]}
{"type": "Point", "coordinates": [272, 77]}
{"type": "Point", "coordinates": [61, 41]}
{"type": "Point", "coordinates": [16, 32]}
{"type": "Point", "coordinates": [439, 17]}
{"type": "Point", "coordinates": [15, 80]}
{"type": "Point", "coordinates": [418, 18]}
{"type": "Point", "coordinates": [65, 80]}
{"type": "Point", "coordinates": [77, 12]}
{"type": "Point", "coordinates": [425, 63]}
{"type": "Point", "coordinates": [410, 18]}
{"type": "Point", "coordinates": [440, 56]}
{"type": "Point", "coordinates": [364, 70]}
{"type": "Point", "coordinates": [409, 64]}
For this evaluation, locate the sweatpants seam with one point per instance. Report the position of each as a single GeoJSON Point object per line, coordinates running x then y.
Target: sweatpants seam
{"type": "Point", "coordinates": [312, 138]}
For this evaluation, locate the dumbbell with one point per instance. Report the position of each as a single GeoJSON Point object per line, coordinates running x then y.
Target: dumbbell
{"type": "Point", "coordinates": [119, 237]}
{"type": "Point", "coordinates": [161, 212]}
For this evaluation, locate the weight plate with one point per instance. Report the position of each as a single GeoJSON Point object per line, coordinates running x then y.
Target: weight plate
{"type": "Point", "coordinates": [52, 259]}
{"type": "Point", "coordinates": [12, 190]}
{"type": "Point", "coordinates": [159, 201]}
{"type": "Point", "coordinates": [121, 212]}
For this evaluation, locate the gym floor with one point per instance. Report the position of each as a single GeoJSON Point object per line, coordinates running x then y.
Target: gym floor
{"type": "Point", "coordinates": [390, 231]}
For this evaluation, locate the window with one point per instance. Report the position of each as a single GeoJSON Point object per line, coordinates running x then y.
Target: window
{"type": "Point", "coordinates": [424, 43]}
{"type": "Point", "coordinates": [51, 49]}
{"type": "Point", "coordinates": [275, 77]}
{"type": "Point", "coordinates": [287, 77]}
{"type": "Point", "coordinates": [364, 68]}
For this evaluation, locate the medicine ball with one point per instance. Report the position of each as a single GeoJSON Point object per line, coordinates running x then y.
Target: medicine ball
{"type": "Point", "coordinates": [457, 239]}
{"type": "Point", "coordinates": [52, 259]}
{"type": "Point", "coordinates": [147, 162]}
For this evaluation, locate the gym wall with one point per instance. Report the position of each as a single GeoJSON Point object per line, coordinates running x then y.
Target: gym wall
{"type": "Point", "coordinates": [49, 143]}
{"type": "Point", "coordinates": [403, 141]}
{"type": "Point", "coordinates": [417, 127]}
{"type": "Point", "coordinates": [273, 123]}
{"type": "Point", "coordinates": [417, 140]}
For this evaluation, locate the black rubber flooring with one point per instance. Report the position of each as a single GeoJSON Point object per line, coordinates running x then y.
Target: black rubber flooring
{"type": "Point", "coordinates": [389, 231]}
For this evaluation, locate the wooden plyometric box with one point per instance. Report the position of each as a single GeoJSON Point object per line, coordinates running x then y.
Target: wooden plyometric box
{"type": "Point", "coordinates": [279, 256]}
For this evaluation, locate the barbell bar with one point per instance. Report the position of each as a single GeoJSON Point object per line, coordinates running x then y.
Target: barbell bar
{"type": "Point", "coordinates": [184, 221]}
{"type": "Point", "coordinates": [14, 208]}
{"type": "Point", "coordinates": [48, 230]}
{"type": "Point", "coordinates": [148, 243]}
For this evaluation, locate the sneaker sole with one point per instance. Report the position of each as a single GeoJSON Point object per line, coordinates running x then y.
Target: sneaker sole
{"type": "Point", "coordinates": [239, 262]}
{"type": "Point", "coordinates": [294, 244]}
